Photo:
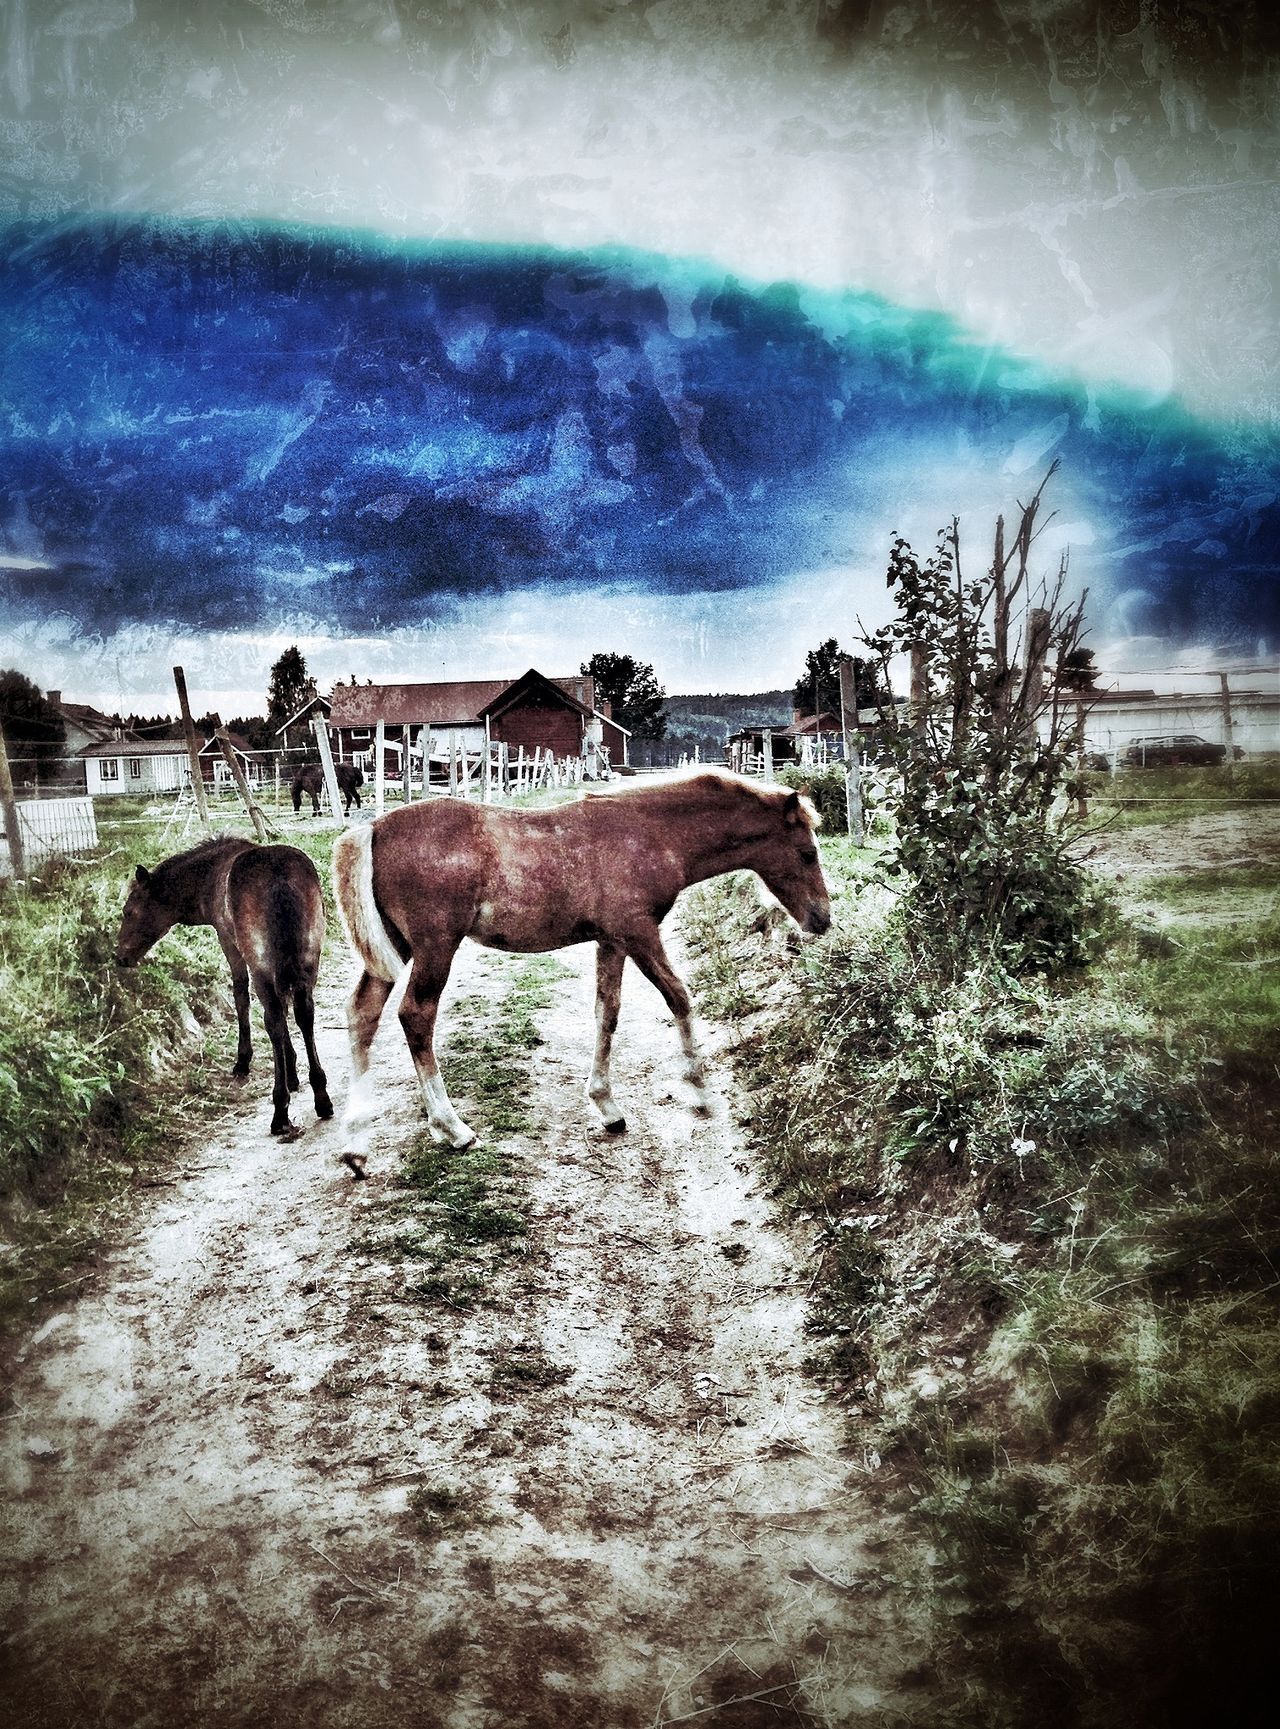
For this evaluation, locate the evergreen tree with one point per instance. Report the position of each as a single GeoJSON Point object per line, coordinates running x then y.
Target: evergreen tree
{"type": "Point", "coordinates": [291, 686]}
{"type": "Point", "coordinates": [632, 690]}
{"type": "Point", "coordinates": [821, 680]}
{"type": "Point", "coordinates": [34, 732]}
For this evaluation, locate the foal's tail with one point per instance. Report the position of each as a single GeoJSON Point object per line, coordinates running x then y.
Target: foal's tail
{"type": "Point", "coordinates": [353, 887]}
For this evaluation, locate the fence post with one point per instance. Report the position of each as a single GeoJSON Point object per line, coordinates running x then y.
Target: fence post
{"type": "Point", "coordinates": [425, 735]}
{"type": "Point", "coordinates": [242, 786]}
{"type": "Point", "coordinates": [1227, 727]}
{"type": "Point", "coordinates": [406, 773]}
{"type": "Point", "coordinates": [379, 765]}
{"type": "Point", "coordinates": [9, 804]}
{"type": "Point", "coordinates": [766, 754]}
{"type": "Point", "coordinates": [193, 749]}
{"type": "Point", "coordinates": [487, 788]}
{"type": "Point", "coordinates": [852, 750]}
{"type": "Point", "coordinates": [320, 727]}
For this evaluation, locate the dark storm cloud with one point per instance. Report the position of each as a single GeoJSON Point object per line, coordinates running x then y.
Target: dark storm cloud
{"type": "Point", "coordinates": [224, 426]}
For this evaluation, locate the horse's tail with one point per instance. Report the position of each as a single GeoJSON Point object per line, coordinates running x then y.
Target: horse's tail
{"type": "Point", "coordinates": [353, 888]}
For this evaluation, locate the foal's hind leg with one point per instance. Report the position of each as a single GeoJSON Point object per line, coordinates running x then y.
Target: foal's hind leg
{"type": "Point", "coordinates": [609, 964]}
{"type": "Point", "coordinates": [273, 1013]}
{"type": "Point", "coordinates": [364, 1011]}
{"type": "Point", "coordinates": [647, 952]}
{"type": "Point", "coordinates": [418, 1018]}
{"type": "Point", "coordinates": [240, 990]}
{"type": "Point", "coordinates": [304, 1012]}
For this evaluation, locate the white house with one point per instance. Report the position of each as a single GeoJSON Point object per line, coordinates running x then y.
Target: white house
{"type": "Point", "coordinates": [135, 765]}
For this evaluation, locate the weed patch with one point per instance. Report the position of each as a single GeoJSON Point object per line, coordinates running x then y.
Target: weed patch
{"type": "Point", "coordinates": [461, 1213]}
{"type": "Point", "coordinates": [98, 1068]}
{"type": "Point", "coordinates": [1046, 1221]}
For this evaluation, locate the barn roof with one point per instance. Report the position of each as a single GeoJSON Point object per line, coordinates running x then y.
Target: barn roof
{"type": "Point", "coordinates": [135, 747]}
{"type": "Point", "coordinates": [308, 705]}
{"type": "Point", "coordinates": [459, 703]}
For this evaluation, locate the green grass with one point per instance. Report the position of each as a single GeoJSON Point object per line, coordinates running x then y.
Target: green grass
{"type": "Point", "coordinates": [99, 1069]}
{"type": "Point", "coordinates": [1048, 1258]}
{"type": "Point", "coordinates": [1134, 797]}
{"type": "Point", "coordinates": [461, 1214]}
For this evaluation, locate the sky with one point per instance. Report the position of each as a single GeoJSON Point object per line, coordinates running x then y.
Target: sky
{"type": "Point", "coordinates": [447, 340]}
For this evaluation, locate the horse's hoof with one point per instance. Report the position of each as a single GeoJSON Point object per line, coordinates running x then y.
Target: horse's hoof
{"type": "Point", "coordinates": [324, 1107]}
{"type": "Point", "coordinates": [287, 1132]}
{"type": "Point", "coordinates": [240, 1074]}
{"type": "Point", "coordinates": [355, 1164]}
{"type": "Point", "coordinates": [617, 1127]}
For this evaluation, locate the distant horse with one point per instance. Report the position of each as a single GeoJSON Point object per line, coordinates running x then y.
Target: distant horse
{"type": "Point", "coordinates": [266, 905]}
{"type": "Point", "coordinates": [606, 869]}
{"type": "Point", "coordinates": [310, 779]}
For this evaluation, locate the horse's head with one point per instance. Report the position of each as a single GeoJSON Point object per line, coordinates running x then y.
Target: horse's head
{"type": "Point", "coordinates": [786, 859]}
{"type": "Point", "coordinates": [147, 916]}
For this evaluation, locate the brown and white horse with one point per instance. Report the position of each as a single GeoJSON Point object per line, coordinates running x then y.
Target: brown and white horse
{"type": "Point", "coordinates": [267, 907]}
{"type": "Point", "coordinates": [605, 869]}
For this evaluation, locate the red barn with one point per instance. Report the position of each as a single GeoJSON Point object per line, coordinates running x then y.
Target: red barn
{"type": "Point", "coordinates": [539, 713]}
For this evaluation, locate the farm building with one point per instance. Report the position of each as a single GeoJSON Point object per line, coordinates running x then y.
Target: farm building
{"type": "Point", "coordinates": [213, 765]}
{"type": "Point", "coordinates": [83, 725]}
{"type": "Point", "coordinates": [296, 733]}
{"type": "Point", "coordinates": [534, 712]}
{"type": "Point", "coordinates": [1114, 718]}
{"type": "Point", "coordinates": [135, 765]}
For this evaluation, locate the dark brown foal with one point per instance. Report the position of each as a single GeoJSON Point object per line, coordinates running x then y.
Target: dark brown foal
{"type": "Point", "coordinates": [266, 906]}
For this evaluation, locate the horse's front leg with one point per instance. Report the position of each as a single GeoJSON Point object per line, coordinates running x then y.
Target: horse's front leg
{"type": "Point", "coordinates": [609, 964]}
{"type": "Point", "coordinates": [240, 991]}
{"type": "Point", "coordinates": [646, 950]}
{"type": "Point", "coordinates": [418, 1012]}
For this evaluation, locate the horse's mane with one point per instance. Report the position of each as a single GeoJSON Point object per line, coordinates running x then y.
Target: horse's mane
{"type": "Point", "coordinates": [697, 785]}
{"type": "Point", "coordinates": [198, 854]}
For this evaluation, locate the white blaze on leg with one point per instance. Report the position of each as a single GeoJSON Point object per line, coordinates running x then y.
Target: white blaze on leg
{"type": "Point", "coordinates": [444, 1123]}
{"type": "Point", "coordinates": [695, 1072]}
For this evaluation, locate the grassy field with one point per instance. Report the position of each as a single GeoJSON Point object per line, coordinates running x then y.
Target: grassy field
{"type": "Point", "coordinates": [1049, 1227]}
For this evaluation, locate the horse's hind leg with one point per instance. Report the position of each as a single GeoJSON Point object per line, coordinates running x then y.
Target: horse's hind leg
{"type": "Point", "coordinates": [304, 1012]}
{"type": "Point", "coordinates": [273, 1013]}
{"type": "Point", "coordinates": [418, 1018]}
{"type": "Point", "coordinates": [240, 990]}
{"type": "Point", "coordinates": [364, 1011]}
{"type": "Point", "coordinates": [647, 952]}
{"type": "Point", "coordinates": [609, 964]}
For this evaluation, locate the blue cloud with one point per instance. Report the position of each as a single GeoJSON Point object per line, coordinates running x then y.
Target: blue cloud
{"type": "Point", "coordinates": [220, 425]}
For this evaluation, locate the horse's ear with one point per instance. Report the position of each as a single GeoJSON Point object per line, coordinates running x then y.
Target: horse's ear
{"type": "Point", "coordinates": [142, 875]}
{"type": "Point", "coordinates": [791, 808]}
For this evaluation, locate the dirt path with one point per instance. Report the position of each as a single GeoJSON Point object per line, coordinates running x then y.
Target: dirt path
{"type": "Point", "coordinates": [212, 1461]}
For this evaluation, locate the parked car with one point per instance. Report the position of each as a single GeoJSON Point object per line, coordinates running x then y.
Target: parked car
{"type": "Point", "coordinates": [1169, 749]}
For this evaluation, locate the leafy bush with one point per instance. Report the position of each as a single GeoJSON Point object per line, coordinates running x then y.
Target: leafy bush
{"type": "Point", "coordinates": [980, 755]}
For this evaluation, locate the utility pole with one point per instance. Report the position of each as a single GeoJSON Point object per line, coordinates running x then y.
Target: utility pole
{"type": "Point", "coordinates": [193, 749]}
{"type": "Point", "coordinates": [242, 786]}
{"type": "Point", "coordinates": [320, 727]}
{"type": "Point", "coordinates": [852, 750]}
{"type": "Point", "coordinates": [9, 804]}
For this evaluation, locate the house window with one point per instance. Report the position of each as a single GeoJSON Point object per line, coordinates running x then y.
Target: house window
{"type": "Point", "coordinates": [135, 768]}
{"type": "Point", "coordinates": [109, 768]}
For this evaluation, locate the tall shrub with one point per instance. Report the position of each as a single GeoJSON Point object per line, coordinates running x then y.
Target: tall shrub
{"type": "Point", "coordinates": [983, 748]}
